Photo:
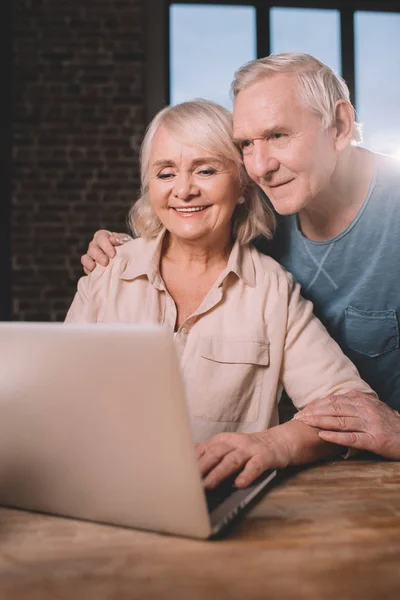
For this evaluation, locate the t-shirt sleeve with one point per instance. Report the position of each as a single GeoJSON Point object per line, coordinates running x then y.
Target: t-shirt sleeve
{"type": "Point", "coordinates": [314, 365]}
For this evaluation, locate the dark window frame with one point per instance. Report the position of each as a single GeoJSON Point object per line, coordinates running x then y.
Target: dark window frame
{"type": "Point", "coordinates": [157, 68]}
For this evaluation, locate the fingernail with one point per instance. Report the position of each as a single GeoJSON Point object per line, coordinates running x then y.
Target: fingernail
{"type": "Point", "coordinates": [240, 481]}
{"type": "Point", "coordinates": [123, 239]}
{"type": "Point", "coordinates": [296, 416]}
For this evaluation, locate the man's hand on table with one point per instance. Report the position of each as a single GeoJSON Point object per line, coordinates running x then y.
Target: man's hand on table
{"type": "Point", "coordinates": [102, 248]}
{"type": "Point", "coordinates": [355, 420]}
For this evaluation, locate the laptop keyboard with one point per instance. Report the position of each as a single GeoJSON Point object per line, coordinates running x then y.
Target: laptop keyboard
{"type": "Point", "coordinates": [218, 495]}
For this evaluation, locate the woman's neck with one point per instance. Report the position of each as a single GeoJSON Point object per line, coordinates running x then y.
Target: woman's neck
{"type": "Point", "coordinates": [194, 255]}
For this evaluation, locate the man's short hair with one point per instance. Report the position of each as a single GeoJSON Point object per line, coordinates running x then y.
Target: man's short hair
{"type": "Point", "coordinates": [320, 88]}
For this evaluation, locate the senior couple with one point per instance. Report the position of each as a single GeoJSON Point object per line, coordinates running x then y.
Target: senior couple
{"type": "Point", "coordinates": [242, 330]}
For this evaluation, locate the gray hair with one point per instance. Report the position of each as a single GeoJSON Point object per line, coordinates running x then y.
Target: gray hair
{"type": "Point", "coordinates": [320, 88]}
{"type": "Point", "coordinates": [207, 125]}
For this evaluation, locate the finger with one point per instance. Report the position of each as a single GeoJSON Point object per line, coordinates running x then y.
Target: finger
{"type": "Point", "coordinates": [104, 246]}
{"type": "Point", "coordinates": [331, 408]}
{"type": "Point", "coordinates": [229, 464]}
{"type": "Point", "coordinates": [212, 455]}
{"type": "Point", "coordinates": [199, 449]}
{"type": "Point", "coordinates": [117, 239]}
{"type": "Point", "coordinates": [253, 469]}
{"type": "Point", "coordinates": [87, 263]}
{"type": "Point", "coordinates": [334, 422]}
{"type": "Point", "coordinates": [318, 402]}
{"type": "Point", "coordinates": [98, 255]}
{"type": "Point", "coordinates": [352, 439]}
{"type": "Point", "coordinates": [352, 398]}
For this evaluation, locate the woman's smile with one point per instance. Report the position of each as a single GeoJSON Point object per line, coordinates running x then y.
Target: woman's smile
{"type": "Point", "coordinates": [190, 211]}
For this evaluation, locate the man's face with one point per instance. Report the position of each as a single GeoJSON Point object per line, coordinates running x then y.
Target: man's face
{"type": "Point", "coordinates": [285, 149]}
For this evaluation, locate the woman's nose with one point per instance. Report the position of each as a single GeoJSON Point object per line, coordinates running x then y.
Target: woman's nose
{"type": "Point", "coordinates": [184, 187]}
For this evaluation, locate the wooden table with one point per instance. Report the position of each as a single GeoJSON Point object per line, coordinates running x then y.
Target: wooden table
{"type": "Point", "coordinates": [328, 531]}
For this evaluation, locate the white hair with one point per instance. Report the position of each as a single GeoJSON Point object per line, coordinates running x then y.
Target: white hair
{"type": "Point", "coordinates": [209, 126]}
{"type": "Point", "coordinates": [320, 88]}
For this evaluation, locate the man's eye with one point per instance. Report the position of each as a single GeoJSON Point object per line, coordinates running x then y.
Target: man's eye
{"type": "Point", "coordinates": [278, 136]}
{"type": "Point", "coordinates": [165, 175]}
{"type": "Point", "coordinates": [245, 146]}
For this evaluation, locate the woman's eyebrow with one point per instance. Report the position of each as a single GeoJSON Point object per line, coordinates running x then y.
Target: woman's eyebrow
{"type": "Point", "coordinates": [163, 163]}
{"type": "Point", "coordinates": [198, 161]}
{"type": "Point", "coordinates": [207, 159]}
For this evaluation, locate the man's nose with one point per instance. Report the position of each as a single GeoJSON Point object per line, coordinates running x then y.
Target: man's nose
{"type": "Point", "coordinates": [262, 160]}
{"type": "Point", "coordinates": [184, 187]}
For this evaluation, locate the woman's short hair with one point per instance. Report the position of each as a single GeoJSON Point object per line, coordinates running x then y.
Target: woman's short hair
{"type": "Point", "coordinates": [209, 126]}
{"type": "Point", "coordinates": [319, 86]}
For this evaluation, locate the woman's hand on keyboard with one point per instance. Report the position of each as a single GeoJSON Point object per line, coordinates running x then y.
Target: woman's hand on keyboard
{"type": "Point", "coordinates": [228, 453]}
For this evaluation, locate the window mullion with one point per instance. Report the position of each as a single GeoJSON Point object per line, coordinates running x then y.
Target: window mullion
{"type": "Point", "coordinates": [263, 31]}
{"type": "Point", "coordinates": [347, 50]}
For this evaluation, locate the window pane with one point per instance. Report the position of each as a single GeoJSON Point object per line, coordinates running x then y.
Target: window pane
{"type": "Point", "coordinates": [208, 44]}
{"type": "Point", "coordinates": [314, 31]}
{"type": "Point", "coordinates": [377, 51]}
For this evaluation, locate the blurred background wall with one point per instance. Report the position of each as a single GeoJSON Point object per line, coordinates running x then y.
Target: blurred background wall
{"type": "Point", "coordinates": [78, 108]}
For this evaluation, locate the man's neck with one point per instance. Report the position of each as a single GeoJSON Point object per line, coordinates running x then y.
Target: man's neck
{"type": "Point", "coordinates": [332, 211]}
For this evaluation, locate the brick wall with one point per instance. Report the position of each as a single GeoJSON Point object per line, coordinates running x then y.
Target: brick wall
{"type": "Point", "coordinates": [79, 107]}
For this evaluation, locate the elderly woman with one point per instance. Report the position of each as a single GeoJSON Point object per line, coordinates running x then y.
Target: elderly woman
{"type": "Point", "coordinates": [241, 328]}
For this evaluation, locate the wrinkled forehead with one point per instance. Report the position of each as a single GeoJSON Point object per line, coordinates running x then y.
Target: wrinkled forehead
{"type": "Point", "coordinates": [266, 103]}
{"type": "Point", "coordinates": [191, 142]}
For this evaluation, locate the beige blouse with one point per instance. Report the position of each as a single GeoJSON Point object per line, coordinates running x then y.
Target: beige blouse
{"type": "Point", "coordinates": [252, 334]}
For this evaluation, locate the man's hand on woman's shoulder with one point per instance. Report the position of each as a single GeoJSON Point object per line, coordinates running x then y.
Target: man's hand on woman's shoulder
{"type": "Point", "coordinates": [355, 420]}
{"type": "Point", "coordinates": [102, 248]}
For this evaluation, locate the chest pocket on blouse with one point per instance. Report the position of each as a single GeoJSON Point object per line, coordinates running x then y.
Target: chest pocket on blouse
{"type": "Point", "coordinates": [372, 333]}
{"type": "Point", "coordinates": [229, 379]}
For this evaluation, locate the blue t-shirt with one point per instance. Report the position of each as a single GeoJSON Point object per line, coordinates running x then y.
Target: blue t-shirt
{"type": "Point", "coordinates": [353, 279]}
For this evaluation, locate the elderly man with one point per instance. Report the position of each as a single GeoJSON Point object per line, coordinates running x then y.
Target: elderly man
{"type": "Point", "coordinates": [338, 230]}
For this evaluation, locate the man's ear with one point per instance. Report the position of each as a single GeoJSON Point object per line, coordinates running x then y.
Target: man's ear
{"type": "Point", "coordinates": [344, 124]}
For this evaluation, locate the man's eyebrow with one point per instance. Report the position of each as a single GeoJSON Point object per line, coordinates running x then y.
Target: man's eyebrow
{"type": "Point", "coordinates": [262, 134]}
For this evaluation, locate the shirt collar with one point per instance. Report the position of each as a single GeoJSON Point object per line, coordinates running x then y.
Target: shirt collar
{"type": "Point", "coordinates": [240, 262]}
{"type": "Point", "coordinates": [147, 263]}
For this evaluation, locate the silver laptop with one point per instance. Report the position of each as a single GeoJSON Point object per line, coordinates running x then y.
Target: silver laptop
{"type": "Point", "coordinates": [94, 425]}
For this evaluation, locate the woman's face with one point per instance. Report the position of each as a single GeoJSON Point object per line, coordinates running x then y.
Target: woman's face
{"type": "Point", "coordinates": [193, 192]}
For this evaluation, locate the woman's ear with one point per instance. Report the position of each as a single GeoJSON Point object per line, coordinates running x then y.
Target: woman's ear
{"type": "Point", "coordinates": [344, 124]}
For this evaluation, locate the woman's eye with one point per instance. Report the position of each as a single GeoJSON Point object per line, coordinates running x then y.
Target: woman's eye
{"type": "Point", "coordinates": [165, 175]}
{"type": "Point", "coordinates": [207, 171]}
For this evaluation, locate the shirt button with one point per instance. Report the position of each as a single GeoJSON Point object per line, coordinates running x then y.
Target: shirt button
{"type": "Point", "coordinates": [184, 330]}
